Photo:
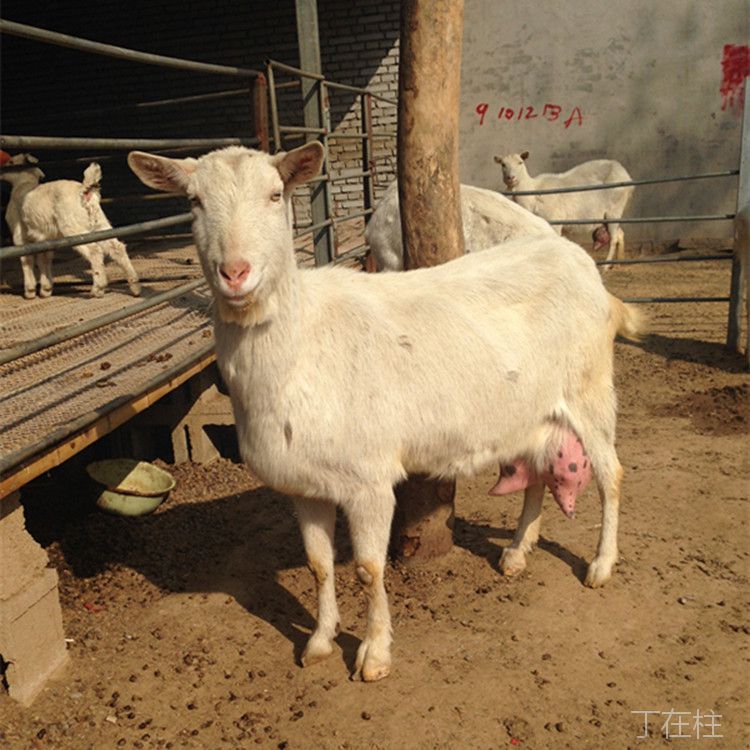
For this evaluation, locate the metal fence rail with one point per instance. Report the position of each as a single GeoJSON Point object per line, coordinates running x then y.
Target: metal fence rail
{"type": "Point", "coordinates": [629, 183]}
{"type": "Point", "coordinates": [33, 248]}
{"type": "Point", "coordinates": [30, 347]}
{"type": "Point", "coordinates": [109, 50]}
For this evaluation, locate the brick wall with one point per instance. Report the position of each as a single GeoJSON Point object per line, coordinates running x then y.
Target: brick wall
{"type": "Point", "coordinates": [49, 90]}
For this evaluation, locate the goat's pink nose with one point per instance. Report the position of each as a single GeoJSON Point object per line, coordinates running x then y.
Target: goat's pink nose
{"type": "Point", "coordinates": [234, 273]}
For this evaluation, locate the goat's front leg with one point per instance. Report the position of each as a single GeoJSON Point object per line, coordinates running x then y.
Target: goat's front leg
{"type": "Point", "coordinates": [46, 279]}
{"type": "Point", "coordinates": [370, 525]}
{"type": "Point", "coordinates": [513, 559]}
{"type": "Point", "coordinates": [317, 520]}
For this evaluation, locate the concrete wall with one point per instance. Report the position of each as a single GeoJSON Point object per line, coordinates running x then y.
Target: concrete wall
{"type": "Point", "coordinates": [638, 81]}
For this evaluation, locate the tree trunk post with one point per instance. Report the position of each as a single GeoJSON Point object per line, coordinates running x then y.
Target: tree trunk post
{"type": "Point", "coordinates": [429, 96]}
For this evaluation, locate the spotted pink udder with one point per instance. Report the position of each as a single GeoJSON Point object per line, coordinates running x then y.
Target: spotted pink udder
{"type": "Point", "coordinates": [566, 475]}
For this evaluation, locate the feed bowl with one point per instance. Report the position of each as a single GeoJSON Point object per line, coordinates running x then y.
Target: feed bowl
{"type": "Point", "coordinates": [132, 488]}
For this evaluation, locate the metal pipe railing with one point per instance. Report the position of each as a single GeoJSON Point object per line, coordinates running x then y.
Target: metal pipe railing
{"type": "Point", "coordinates": [65, 334]}
{"type": "Point", "coordinates": [358, 90]}
{"type": "Point", "coordinates": [11, 251]}
{"type": "Point", "coordinates": [292, 71]}
{"type": "Point", "coordinates": [23, 142]}
{"type": "Point", "coordinates": [155, 104]}
{"type": "Point", "coordinates": [629, 183]}
{"type": "Point", "coordinates": [663, 259]}
{"type": "Point", "coordinates": [109, 50]}
{"type": "Point", "coordinates": [642, 220]}
{"type": "Point", "coordinates": [660, 300]}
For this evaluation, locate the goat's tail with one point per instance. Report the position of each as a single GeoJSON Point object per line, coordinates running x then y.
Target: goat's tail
{"type": "Point", "coordinates": [626, 320]}
{"type": "Point", "coordinates": [92, 177]}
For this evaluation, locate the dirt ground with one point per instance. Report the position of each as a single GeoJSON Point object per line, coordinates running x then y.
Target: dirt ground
{"type": "Point", "coordinates": [185, 627]}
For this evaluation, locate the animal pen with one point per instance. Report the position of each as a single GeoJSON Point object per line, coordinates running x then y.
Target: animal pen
{"type": "Point", "coordinates": [73, 370]}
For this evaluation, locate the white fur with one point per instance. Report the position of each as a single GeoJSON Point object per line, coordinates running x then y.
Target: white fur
{"type": "Point", "coordinates": [53, 210]}
{"type": "Point", "coordinates": [488, 219]}
{"type": "Point", "coordinates": [591, 204]}
{"type": "Point", "coordinates": [342, 383]}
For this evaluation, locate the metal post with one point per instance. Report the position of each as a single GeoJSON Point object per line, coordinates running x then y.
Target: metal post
{"type": "Point", "coordinates": [260, 112]}
{"type": "Point", "coordinates": [274, 109]}
{"type": "Point", "coordinates": [368, 163]}
{"type": "Point", "coordinates": [309, 56]}
{"type": "Point", "coordinates": [743, 199]}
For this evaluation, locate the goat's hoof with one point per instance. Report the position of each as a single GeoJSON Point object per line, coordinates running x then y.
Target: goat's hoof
{"type": "Point", "coordinates": [29, 293]}
{"type": "Point", "coordinates": [97, 291]}
{"type": "Point", "coordinates": [45, 292]}
{"type": "Point", "coordinates": [599, 572]}
{"type": "Point", "coordinates": [316, 651]}
{"type": "Point", "coordinates": [135, 288]}
{"type": "Point", "coordinates": [369, 667]}
{"type": "Point", "coordinates": [512, 561]}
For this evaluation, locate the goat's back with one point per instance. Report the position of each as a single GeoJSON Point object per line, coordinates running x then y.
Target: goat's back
{"type": "Point", "coordinates": [488, 218]}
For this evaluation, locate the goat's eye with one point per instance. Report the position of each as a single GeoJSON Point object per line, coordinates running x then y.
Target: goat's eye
{"type": "Point", "coordinates": [276, 196]}
{"type": "Point", "coordinates": [195, 201]}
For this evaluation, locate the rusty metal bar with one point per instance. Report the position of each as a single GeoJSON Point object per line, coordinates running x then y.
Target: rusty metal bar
{"type": "Point", "coordinates": [660, 300]}
{"type": "Point", "coordinates": [109, 50]}
{"type": "Point", "coordinates": [274, 109]}
{"type": "Point", "coordinates": [81, 239]}
{"type": "Point", "coordinates": [352, 216]}
{"type": "Point", "coordinates": [22, 350]}
{"type": "Point", "coordinates": [260, 112]}
{"type": "Point", "coordinates": [24, 142]}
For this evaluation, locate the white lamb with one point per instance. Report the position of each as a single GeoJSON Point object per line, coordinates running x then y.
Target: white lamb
{"type": "Point", "coordinates": [342, 383]}
{"type": "Point", "coordinates": [53, 210]}
{"type": "Point", "coordinates": [606, 205]}
{"type": "Point", "coordinates": [488, 219]}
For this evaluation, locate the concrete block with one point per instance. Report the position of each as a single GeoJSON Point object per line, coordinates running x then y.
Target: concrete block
{"type": "Point", "coordinates": [32, 643]}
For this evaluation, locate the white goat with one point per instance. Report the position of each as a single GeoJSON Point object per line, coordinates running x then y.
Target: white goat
{"type": "Point", "coordinates": [342, 383]}
{"type": "Point", "coordinates": [488, 219]}
{"type": "Point", "coordinates": [592, 204]}
{"type": "Point", "coordinates": [53, 210]}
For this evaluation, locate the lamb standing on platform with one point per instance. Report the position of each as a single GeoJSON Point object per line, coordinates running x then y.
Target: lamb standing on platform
{"type": "Point", "coordinates": [53, 210]}
{"type": "Point", "coordinates": [342, 383]}
{"type": "Point", "coordinates": [607, 205]}
{"type": "Point", "coordinates": [488, 219]}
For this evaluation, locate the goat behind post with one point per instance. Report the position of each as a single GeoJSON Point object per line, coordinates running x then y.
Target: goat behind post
{"type": "Point", "coordinates": [342, 383]}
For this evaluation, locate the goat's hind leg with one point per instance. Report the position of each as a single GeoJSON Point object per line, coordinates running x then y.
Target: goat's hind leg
{"type": "Point", "coordinates": [513, 559]}
{"type": "Point", "coordinates": [317, 520]}
{"type": "Point", "coordinates": [370, 525]}
{"type": "Point", "coordinates": [46, 279]}
{"type": "Point", "coordinates": [95, 256]}
{"type": "Point", "coordinates": [608, 473]}
{"type": "Point", "coordinates": [119, 254]}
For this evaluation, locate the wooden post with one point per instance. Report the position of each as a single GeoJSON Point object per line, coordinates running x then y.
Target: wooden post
{"type": "Point", "coordinates": [429, 96]}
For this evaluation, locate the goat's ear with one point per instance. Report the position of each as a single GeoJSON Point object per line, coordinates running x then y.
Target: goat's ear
{"type": "Point", "coordinates": [525, 155]}
{"type": "Point", "coordinates": [300, 165]}
{"type": "Point", "coordinates": [161, 173]}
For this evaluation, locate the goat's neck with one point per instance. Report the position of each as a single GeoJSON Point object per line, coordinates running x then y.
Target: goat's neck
{"type": "Point", "coordinates": [21, 185]}
{"type": "Point", "coordinates": [259, 346]}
